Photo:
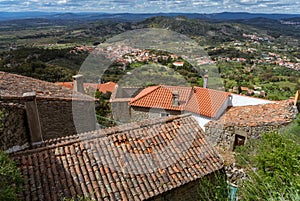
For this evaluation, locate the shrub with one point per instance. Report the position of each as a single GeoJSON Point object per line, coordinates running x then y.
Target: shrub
{"type": "Point", "coordinates": [10, 182]}
{"type": "Point", "coordinates": [273, 167]}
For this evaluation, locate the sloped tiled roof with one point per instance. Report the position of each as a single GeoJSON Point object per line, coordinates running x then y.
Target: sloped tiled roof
{"type": "Point", "coordinates": [14, 86]}
{"type": "Point", "coordinates": [134, 161]}
{"type": "Point", "coordinates": [206, 102]}
{"type": "Point", "coordinates": [278, 113]}
{"type": "Point", "coordinates": [198, 100]}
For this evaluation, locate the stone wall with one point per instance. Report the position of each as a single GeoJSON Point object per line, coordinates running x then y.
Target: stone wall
{"type": "Point", "coordinates": [186, 192]}
{"type": "Point", "coordinates": [121, 111]}
{"type": "Point", "coordinates": [58, 118]}
{"type": "Point", "coordinates": [140, 113]}
{"type": "Point", "coordinates": [13, 130]}
{"type": "Point", "coordinates": [223, 136]}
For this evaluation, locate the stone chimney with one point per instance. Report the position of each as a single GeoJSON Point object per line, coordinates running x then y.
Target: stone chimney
{"type": "Point", "coordinates": [175, 98]}
{"type": "Point", "coordinates": [33, 118]}
{"type": "Point", "coordinates": [205, 81]}
{"type": "Point", "coordinates": [78, 83]}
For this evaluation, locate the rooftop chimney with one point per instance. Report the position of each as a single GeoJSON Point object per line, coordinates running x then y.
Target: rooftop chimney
{"type": "Point", "coordinates": [175, 98]}
{"type": "Point", "coordinates": [78, 83]}
{"type": "Point", "coordinates": [33, 119]}
{"type": "Point", "coordinates": [205, 81]}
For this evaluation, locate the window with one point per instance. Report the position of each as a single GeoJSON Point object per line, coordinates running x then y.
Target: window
{"type": "Point", "coordinates": [239, 140]}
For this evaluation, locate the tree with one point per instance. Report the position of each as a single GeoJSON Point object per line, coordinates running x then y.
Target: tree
{"type": "Point", "coordinates": [273, 165]}
{"type": "Point", "coordinates": [10, 182]}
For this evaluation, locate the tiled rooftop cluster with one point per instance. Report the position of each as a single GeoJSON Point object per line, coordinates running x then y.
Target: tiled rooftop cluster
{"type": "Point", "coordinates": [277, 113]}
{"type": "Point", "coordinates": [14, 86]}
{"type": "Point", "coordinates": [109, 164]}
{"type": "Point", "coordinates": [198, 100]}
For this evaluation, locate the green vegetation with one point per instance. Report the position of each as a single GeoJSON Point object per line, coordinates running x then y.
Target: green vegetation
{"type": "Point", "coordinates": [46, 64]}
{"type": "Point", "coordinates": [10, 182]}
{"type": "Point", "coordinates": [161, 72]}
{"type": "Point", "coordinates": [273, 166]}
{"type": "Point", "coordinates": [40, 48]}
{"type": "Point", "coordinates": [279, 83]}
{"type": "Point", "coordinates": [103, 110]}
{"type": "Point", "coordinates": [214, 187]}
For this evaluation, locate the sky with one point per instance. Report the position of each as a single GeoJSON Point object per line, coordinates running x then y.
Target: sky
{"type": "Point", "coordinates": [153, 6]}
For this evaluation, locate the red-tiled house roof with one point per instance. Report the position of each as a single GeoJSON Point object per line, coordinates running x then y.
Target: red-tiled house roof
{"type": "Point", "coordinates": [206, 102]}
{"type": "Point", "coordinates": [104, 88]}
{"type": "Point", "coordinates": [68, 85]}
{"type": "Point", "coordinates": [107, 87]}
{"type": "Point", "coordinates": [14, 86]}
{"type": "Point", "coordinates": [116, 163]}
{"type": "Point", "coordinates": [202, 101]}
{"type": "Point", "coordinates": [161, 97]}
{"type": "Point", "coordinates": [278, 113]}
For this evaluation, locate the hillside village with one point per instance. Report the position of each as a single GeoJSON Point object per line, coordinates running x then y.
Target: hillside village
{"type": "Point", "coordinates": [168, 139]}
{"type": "Point", "coordinates": [76, 135]}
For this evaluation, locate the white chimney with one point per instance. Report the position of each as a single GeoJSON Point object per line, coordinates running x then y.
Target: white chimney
{"type": "Point", "coordinates": [78, 83]}
{"type": "Point", "coordinates": [175, 98]}
{"type": "Point", "coordinates": [205, 81]}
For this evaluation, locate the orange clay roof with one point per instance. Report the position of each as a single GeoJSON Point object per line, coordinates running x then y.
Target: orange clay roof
{"type": "Point", "coordinates": [109, 86]}
{"type": "Point", "coordinates": [278, 113]}
{"type": "Point", "coordinates": [109, 164]}
{"type": "Point", "coordinates": [104, 88]}
{"type": "Point", "coordinates": [206, 102]}
{"type": "Point", "coordinates": [68, 85]}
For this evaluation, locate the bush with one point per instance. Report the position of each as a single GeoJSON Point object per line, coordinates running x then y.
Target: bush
{"type": "Point", "coordinates": [273, 167]}
{"type": "Point", "coordinates": [214, 187]}
{"type": "Point", "coordinates": [10, 182]}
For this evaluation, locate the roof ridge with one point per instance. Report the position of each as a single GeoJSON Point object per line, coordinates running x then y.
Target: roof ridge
{"type": "Point", "coordinates": [155, 88]}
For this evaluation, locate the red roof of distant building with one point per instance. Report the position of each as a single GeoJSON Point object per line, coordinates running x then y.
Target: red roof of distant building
{"type": "Point", "coordinates": [68, 85]}
{"type": "Point", "coordinates": [109, 86]}
{"type": "Point", "coordinates": [203, 101]}
{"type": "Point", "coordinates": [178, 63]}
{"type": "Point", "coordinates": [104, 88]}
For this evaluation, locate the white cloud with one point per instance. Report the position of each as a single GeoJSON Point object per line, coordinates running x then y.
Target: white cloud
{"type": "Point", "coordinates": [62, 1]}
{"type": "Point", "coordinates": [200, 6]}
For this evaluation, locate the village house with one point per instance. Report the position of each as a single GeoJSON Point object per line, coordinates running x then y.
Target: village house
{"type": "Point", "coordinates": [155, 101]}
{"type": "Point", "coordinates": [157, 159]}
{"type": "Point", "coordinates": [32, 110]}
{"type": "Point", "coordinates": [240, 123]}
{"type": "Point", "coordinates": [205, 104]}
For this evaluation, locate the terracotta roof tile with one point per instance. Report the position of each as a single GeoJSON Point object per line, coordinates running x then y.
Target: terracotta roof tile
{"type": "Point", "coordinates": [109, 164]}
{"type": "Point", "coordinates": [281, 112]}
{"type": "Point", "coordinates": [203, 101]}
{"type": "Point", "coordinates": [14, 86]}
{"type": "Point", "coordinates": [206, 102]}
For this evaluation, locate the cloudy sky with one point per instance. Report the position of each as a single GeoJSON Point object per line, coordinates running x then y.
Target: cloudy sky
{"type": "Point", "coordinates": [153, 6]}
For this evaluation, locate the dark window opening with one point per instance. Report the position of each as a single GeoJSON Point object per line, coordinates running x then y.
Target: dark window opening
{"type": "Point", "coordinates": [239, 140]}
